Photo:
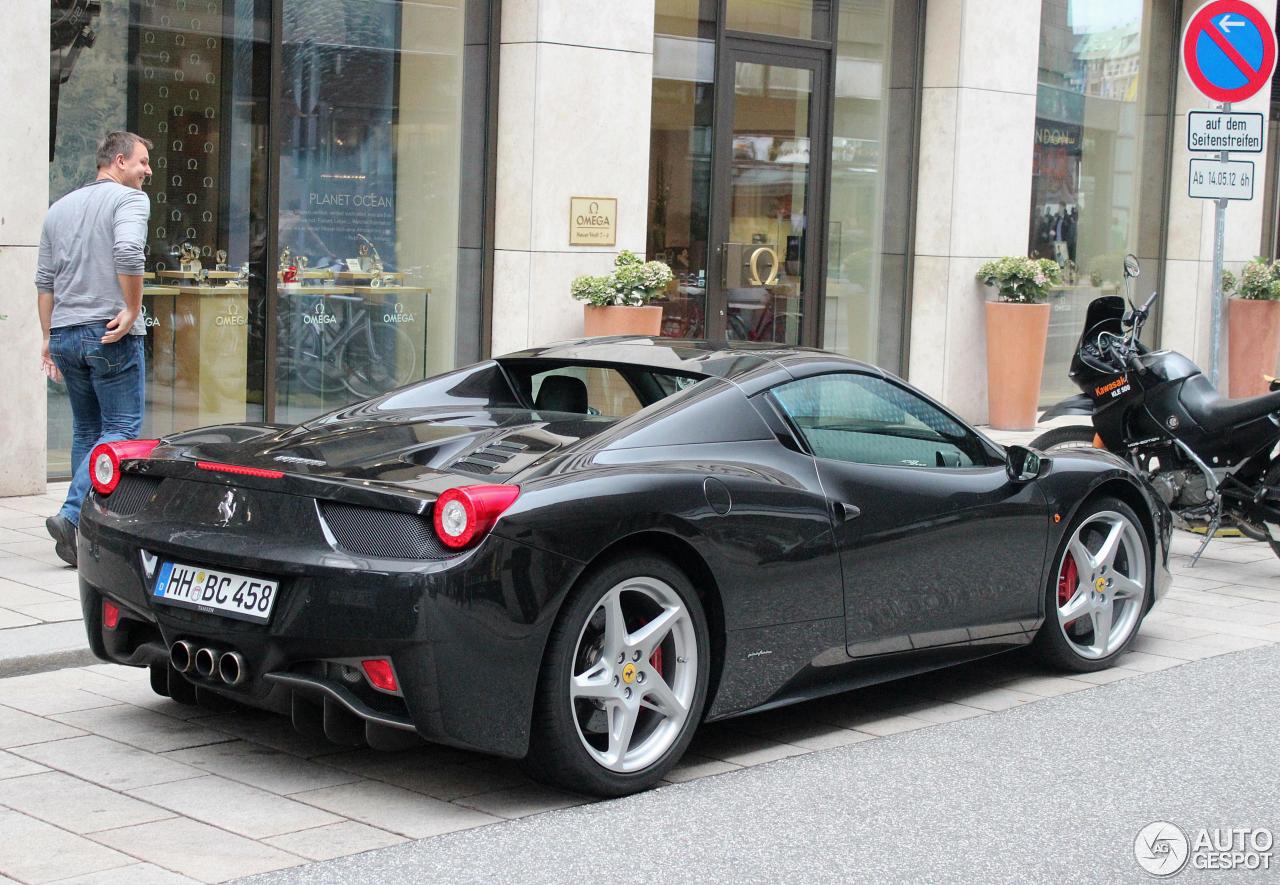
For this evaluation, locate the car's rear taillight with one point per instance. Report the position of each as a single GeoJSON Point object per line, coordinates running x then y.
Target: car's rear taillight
{"type": "Point", "coordinates": [465, 514]}
{"type": "Point", "coordinates": [104, 461]}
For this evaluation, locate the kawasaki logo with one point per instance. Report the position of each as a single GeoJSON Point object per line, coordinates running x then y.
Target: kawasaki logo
{"type": "Point", "coordinates": [1113, 387]}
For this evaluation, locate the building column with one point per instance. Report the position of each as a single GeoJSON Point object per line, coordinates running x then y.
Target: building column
{"type": "Point", "coordinates": [977, 124]}
{"type": "Point", "coordinates": [24, 148]}
{"type": "Point", "coordinates": [1186, 320]}
{"type": "Point", "coordinates": [573, 120]}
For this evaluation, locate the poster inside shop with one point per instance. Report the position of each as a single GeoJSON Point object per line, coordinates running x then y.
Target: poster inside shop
{"type": "Point", "coordinates": [337, 159]}
{"type": "Point", "coordinates": [331, 213]}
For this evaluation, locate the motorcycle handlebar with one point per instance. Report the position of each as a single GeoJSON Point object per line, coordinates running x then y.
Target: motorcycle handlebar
{"type": "Point", "coordinates": [1139, 316]}
{"type": "Point", "coordinates": [1131, 362]}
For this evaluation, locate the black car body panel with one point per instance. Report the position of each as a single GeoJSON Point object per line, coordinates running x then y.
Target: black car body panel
{"type": "Point", "coordinates": [802, 600]}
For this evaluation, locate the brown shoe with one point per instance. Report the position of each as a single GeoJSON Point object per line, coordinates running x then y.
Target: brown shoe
{"type": "Point", "coordinates": [63, 532]}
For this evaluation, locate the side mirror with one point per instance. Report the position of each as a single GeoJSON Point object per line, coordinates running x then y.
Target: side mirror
{"type": "Point", "coordinates": [1023, 464]}
{"type": "Point", "coordinates": [1131, 268]}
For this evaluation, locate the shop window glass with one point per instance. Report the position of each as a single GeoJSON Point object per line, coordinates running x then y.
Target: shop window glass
{"type": "Point", "coordinates": [805, 19]}
{"type": "Point", "coordinates": [872, 158]}
{"type": "Point", "coordinates": [680, 157]}
{"type": "Point", "coordinates": [380, 187]}
{"type": "Point", "coordinates": [770, 197]}
{"type": "Point", "coordinates": [192, 78]}
{"type": "Point", "coordinates": [375, 238]}
{"type": "Point", "coordinates": [1100, 159]}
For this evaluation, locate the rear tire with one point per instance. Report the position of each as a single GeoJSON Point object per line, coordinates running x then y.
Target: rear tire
{"type": "Point", "coordinates": [1075, 436]}
{"type": "Point", "coordinates": [1099, 590]}
{"type": "Point", "coordinates": [623, 682]}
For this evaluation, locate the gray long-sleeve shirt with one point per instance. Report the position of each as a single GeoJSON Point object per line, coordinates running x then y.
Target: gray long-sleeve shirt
{"type": "Point", "coordinates": [89, 236]}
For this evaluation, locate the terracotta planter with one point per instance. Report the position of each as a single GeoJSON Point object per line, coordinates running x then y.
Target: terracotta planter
{"type": "Point", "coordinates": [1253, 345]}
{"type": "Point", "coordinates": [620, 320]}
{"type": "Point", "coordinates": [1016, 336]}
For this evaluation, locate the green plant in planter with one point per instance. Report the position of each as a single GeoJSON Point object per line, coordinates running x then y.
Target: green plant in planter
{"type": "Point", "coordinates": [1258, 281]}
{"type": "Point", "coordinates": [1021, 280]}
{"type": "Point", "coordinates": [633, 283]}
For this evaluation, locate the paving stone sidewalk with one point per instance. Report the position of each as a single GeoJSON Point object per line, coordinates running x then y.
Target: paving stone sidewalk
{"type": "Point", "coordinates": [102, 781]}
{"type": "Point", "coordinates": [39, 595]}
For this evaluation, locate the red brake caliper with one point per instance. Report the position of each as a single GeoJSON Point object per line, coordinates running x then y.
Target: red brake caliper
{"type": "Point", "coordinates": [1068, 580]}
{"type": "Point", "coordinates": [656, 660]}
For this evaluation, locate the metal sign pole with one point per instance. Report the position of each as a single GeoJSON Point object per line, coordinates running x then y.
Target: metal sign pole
{"type": "Point", "coordinates": [1219, 238]}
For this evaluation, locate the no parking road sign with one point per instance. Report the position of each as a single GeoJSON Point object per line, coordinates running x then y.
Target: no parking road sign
{"type": "Point", "coordinates": [1229, 50]}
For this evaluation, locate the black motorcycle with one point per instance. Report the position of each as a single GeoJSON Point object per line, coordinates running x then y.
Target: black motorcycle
{"type": "Point", "coordinates": [1214, 461]}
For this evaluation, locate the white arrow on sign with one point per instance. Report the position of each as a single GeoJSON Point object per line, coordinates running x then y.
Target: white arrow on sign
{"type": "Point", "coordinates": [1228, 23]}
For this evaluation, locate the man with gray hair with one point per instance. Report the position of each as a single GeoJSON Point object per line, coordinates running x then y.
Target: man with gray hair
{"type": "Point", "coordinates": [89, 289]}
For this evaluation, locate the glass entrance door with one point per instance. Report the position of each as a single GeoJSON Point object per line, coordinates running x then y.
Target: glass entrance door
{"type": "Point", "coordinates": [766, 195]}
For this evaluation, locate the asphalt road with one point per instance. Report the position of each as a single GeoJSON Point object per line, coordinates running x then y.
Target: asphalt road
{"type": "Point", "coordinates": [1050, 792]}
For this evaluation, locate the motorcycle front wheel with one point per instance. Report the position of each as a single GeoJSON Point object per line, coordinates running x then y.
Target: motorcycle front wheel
{"type": "Point", "coordinates": [1075, 436]}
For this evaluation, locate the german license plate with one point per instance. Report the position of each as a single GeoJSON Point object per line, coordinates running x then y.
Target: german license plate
{"type": "Point", "coordinates": [215, 592]}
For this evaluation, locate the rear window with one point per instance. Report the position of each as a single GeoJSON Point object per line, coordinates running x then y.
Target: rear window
{"type": "Point", "coordinates": [611, 391]}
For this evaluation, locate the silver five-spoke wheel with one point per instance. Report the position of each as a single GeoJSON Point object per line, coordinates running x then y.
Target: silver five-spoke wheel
{"type": "Point", "coordinates": [1102, 580]}
{"type": "Point", "coordinates": [634, 674]}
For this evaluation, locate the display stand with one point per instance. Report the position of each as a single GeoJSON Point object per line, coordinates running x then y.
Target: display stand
{"type": "Point", "coordinates": [340, 338]}
{"type": "Point", "coordinates": [210, 353]}
{"type": "Point", "coordinates": [404, 307]}
{"type": "Point", "coordinates": [193, 275]}
{"type": "Point", "coordinates": [358, 275]}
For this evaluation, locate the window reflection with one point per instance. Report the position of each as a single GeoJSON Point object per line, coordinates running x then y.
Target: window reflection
{"type": "Point", "coordinates": [1099, 158]}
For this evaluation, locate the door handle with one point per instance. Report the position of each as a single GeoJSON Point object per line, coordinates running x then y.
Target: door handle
{"type": "Point", "coordinates": [849, 511]}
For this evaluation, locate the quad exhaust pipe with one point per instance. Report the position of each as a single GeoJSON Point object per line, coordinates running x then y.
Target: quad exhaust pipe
{"type": "Point", "coordinates": [206, 662]}
{"type": "Point", "coordinates": [182, 656]}
{"type": "Point", "coordinates": [227, 666]}
{"type": "Point", "coordinates": [231, 668]}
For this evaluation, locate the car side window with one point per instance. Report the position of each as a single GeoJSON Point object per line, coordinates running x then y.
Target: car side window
{"type": "Point", "coordinates": [868, 420]}
{"type": "Point", "coordinates": [588, 390]}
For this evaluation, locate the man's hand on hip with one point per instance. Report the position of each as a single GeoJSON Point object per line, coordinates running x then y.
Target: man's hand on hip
{"type": "Point", "coordinates": [120, 326]}
{"type": "Point", "coordinates": [51, 370]}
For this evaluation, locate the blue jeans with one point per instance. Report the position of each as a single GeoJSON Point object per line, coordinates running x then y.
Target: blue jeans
{"type": "Point", "coordinates": [105, 386]}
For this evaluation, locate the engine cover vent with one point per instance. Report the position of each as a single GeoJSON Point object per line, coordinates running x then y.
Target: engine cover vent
{"type": "Point", "coordinates": [489, 457]}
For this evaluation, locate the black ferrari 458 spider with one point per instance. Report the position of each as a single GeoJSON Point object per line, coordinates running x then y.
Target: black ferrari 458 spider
{"type": "Point", "coordinates": [576, 554]}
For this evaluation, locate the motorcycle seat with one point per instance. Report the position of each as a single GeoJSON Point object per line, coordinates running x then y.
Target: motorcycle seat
{"type": "Point", "coordinates": [1217, 414]}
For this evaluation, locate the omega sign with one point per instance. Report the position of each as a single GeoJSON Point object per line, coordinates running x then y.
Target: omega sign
{"type": "Point", "coordinates": [593, 221]}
